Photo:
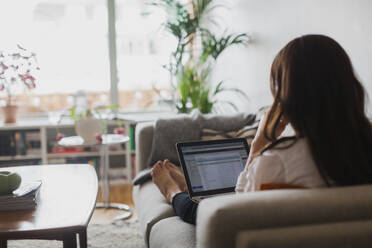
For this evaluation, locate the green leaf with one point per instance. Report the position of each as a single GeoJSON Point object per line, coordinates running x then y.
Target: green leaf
{"type": "Point", "coordinates": [213, 46]}
{"type": "Point", "coordinates": [73, 113]}
{"type": "Point", "coordinates": [184, 89]}
{"type": "Point", "coordinates": [205, 105]}
{"type": "Point", "coordinates": [237, 91]}
{"type": "Point", "coordinates": [218, 88]}
{"type": "Point", "coordinates": [111, 106]}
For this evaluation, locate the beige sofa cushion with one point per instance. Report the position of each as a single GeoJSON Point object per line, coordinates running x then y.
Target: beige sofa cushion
{"type": "Point", "coordinates": [172, 233]}
{"type": "Point", "coordinates": [151, 207]}
{"type": "Point", "coordinates": [278, 208]}
{"type": "Point", "coordinates": [340, 235]}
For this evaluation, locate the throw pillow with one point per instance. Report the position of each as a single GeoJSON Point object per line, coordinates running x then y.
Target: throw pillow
{"type": "Point", "coordinates": [247, 132]}
{"type": "Point", "coordinates": [226, 123]}
{"type": "Point", "coordinates": [167, 132]}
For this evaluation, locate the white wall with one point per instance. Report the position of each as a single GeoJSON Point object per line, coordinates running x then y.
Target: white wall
{"type": "Point", "coordinates": [273, 23]}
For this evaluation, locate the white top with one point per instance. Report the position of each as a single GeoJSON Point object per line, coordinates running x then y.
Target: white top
{"type": "Point", "coordinates": [293, 165]}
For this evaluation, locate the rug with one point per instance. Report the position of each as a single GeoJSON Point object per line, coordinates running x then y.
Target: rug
{"type": "Point", "coordinates": [123, 234]}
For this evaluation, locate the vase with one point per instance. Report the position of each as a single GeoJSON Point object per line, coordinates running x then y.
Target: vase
{"type": "Point", "coordinates": [88, 128]}
{"type": "Point", "coordinates": [10, 114]}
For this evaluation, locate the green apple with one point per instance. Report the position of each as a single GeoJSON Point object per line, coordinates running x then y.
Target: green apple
{"type": "Point", "coordinates": [4, 182]}
{"type": "Point", "coordinates": [9, 181]}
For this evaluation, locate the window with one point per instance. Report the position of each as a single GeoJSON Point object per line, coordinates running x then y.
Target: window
{"type": "Point", "coordinates": [70, 39]}
{"type": "Point", "coordinates": [142, 48]}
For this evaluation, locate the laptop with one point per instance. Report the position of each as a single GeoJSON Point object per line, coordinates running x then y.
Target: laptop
{"type": "Point", "coordinates": [212, 167]}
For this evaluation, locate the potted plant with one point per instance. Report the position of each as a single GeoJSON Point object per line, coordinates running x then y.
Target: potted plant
{"type": "Point", "coordinates": [88, 126]}
{"type": "Point", "coordinates": [90, 123]}
{"type": "Point", "coordinates": [197, 50]}
{"type": "Point", "coordinates": [17, 70]}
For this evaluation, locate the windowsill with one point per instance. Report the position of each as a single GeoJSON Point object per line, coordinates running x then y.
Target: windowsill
{"type": "Point", "coordinates": [42, 119]}
{"type": "Point", "coordinates": [134, 117]}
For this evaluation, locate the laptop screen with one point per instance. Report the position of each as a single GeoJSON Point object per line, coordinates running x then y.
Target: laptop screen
{"type": "Point", "coordinates": [214, 165]}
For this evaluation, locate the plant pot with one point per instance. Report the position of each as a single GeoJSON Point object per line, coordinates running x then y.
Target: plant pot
{"type": "Point", "coordinates": [88, 128]}
{"type": "Point", "coordinates": [10, 114]}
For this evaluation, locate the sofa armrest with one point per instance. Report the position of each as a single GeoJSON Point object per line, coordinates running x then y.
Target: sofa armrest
{"type": "Point", "coordinates": [219, 219]}
{"type": "Point", "coordinates": [144, 135]}
{"type": "Point", "coordinates": [339, 234]}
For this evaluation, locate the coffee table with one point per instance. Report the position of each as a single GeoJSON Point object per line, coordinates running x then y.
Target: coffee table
{"type": "Point", "coordinates": [67, 199]}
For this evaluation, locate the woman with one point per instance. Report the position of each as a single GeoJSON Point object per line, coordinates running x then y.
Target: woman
{"type": "Point", "coordinates": [315, 91]}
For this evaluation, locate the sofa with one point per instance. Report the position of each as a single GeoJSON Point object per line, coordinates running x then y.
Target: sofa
{"type": "Point", "coordinates": [332, 217]}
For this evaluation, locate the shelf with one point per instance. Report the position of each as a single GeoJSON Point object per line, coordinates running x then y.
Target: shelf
{"type": "Point", "coordinates": [20, 157]}
{"type": "Point", "coordinates": [38, 123]}
{"type": "Point", "coordinates": [82, 154]}
{"type": "Point", "coordinates": [46, 131]}
{"type": "Point", "coordinates": [60, 155]}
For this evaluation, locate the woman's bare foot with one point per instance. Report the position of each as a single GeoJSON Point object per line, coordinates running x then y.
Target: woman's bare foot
{"type": "Point", "coordinates": [163, 180]}
{"type": "Point", "coordinates": [177, 175]}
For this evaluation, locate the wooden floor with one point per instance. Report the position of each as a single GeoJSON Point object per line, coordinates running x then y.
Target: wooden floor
{"type": "Point", "coordinates": [120, 192]}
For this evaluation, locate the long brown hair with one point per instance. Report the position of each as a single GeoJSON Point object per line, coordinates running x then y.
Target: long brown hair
{"type": "Point", "coordinates": [316, 90]}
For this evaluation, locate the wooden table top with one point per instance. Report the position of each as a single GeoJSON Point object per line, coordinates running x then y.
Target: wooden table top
{"type": "Point", "coordinates": [67, 199]}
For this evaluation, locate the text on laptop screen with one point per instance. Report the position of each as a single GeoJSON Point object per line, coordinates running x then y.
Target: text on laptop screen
{"type": "Point", "coordinates": [214, 166]}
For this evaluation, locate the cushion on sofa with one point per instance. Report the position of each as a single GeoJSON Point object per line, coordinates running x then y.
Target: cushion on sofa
{"type": "Point", "coordinates": [172, 233]}
{"type": "Point", "coordinates": [151, 207]}
{"type": "Point", "coordinates": [339, 234]}
{"type": "Point", "coordinates": [278, 208]}
{"type": "Point", "coordinates": [167, 132]}
{"type": "Point", "coordinates": [247, 132]}
{"type": "Point", "coordinates": [225, 122]}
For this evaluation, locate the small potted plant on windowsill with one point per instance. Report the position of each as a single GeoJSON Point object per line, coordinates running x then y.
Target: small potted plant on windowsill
{"type": "Point", "coordinates": [17, 70]}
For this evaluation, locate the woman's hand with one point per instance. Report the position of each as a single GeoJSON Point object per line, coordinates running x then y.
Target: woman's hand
{"type": "Point", "coordinates": [260, 141]}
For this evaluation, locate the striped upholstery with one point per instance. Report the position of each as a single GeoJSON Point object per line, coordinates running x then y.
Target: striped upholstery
{"type": "Point", "coordinates": [247, 132]}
